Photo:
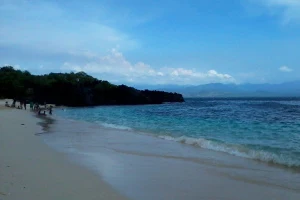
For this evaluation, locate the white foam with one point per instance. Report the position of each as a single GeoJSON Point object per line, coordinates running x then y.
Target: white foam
{"type": "Point", "coordinates": [236, 150]}
{"type": "Point", "coordinates": [114, 126]}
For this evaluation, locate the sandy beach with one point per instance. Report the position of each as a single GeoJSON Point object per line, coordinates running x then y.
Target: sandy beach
{"type": "Point", "coordinates": [29, 169]}
{"type": "Point", "coordinates": [82, 160]}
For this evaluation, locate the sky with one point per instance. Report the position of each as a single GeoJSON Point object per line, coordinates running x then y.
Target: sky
{"type": "Point", "coordinates": [134, 42]}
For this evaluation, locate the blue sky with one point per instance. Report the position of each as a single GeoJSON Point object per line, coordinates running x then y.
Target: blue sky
{"type": "Point", "coordinates": [155, 42]}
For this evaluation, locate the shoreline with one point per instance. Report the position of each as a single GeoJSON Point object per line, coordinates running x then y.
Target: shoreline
{"type": "Point", "coordinates": [29, 169]}
{"type": "Point", "coordinates": [263, 157]}
{"type": "Point", "coordinates": [161, 169]}
{"type": "Point", "coordinates": [255, 139]}
{"type": "Point", "coordinates": [108, 162]}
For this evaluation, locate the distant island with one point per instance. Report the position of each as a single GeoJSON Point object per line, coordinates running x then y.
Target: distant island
{"type": "Point", "coordinates": [286, 89]}
{"type": "Point", "coordinates": [75, 89]}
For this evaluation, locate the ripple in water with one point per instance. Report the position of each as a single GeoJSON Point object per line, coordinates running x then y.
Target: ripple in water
{"type": "Point", "coordinates": [263, 129]}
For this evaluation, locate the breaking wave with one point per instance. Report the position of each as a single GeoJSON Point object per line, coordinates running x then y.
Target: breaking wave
{"type": "Point", "coordinates": [236, 150]}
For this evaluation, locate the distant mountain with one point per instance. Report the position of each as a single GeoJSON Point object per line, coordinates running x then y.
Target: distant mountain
{"type": "Point", "coordinates": [233, 90]}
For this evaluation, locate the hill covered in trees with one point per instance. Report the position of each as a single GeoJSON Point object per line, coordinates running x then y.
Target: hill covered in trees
{"type": "Point", "coordinates": [75, 89]}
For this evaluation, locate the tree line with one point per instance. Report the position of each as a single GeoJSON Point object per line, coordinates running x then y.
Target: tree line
{"type": "Point", "coordinates": [75, 89]}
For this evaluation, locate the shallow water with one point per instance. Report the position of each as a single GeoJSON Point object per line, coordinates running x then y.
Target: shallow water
{"type": "Point", "coordinates": [265, 129]}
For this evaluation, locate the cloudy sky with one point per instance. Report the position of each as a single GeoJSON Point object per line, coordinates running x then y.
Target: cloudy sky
{"type": "Point", "coordinates": [155, 42]}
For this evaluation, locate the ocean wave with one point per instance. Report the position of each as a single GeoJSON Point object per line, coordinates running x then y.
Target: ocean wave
{"type": "Point", "coordinates": [277, 104]}
{"type": "Point", "coordinates": [236, 150]}
{"type": "Point", "coordinates": [114, 126]}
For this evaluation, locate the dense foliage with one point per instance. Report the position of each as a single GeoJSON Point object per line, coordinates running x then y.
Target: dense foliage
{"type": "Point", "coordinates": [75, 89]}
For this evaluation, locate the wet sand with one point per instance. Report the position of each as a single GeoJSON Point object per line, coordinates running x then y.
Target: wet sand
{"type": "Point", "coordinates": [30, 169]}
{"type": "Point", "coordinates": [145, 167]}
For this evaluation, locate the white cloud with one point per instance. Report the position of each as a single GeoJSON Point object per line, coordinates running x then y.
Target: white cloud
{"type": "Point", "coordinates": [44, 26]}
{"type": "Point", "coordinates": [288, 9]}
{"type": "Point", "coordinates": [114, 66]}
{"type": "Point", "coordinates": [285, 69]}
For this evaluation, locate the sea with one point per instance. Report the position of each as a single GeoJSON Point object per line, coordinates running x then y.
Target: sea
{"type": "Point", "coordinates": [264, 129]}
{"type": "Point", "coordinates": [243, 148]}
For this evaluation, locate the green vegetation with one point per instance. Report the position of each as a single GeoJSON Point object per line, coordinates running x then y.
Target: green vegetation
{"type": "Point", "coordinates": [75, 89]}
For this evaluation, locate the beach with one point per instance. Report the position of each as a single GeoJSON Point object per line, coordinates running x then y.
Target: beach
{"type": "Point", "coordinates": [142, 166]}
{"type": "Point", "coordinates": [29, 169]}
{"type": "Point", "coordinates": [72, 159]}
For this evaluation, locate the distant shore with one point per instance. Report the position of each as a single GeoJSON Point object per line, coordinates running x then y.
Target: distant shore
{"type": "Point", "coordinates": [30, 170]}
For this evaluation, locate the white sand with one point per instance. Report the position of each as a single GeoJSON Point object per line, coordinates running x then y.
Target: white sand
{"type": "Point", "coordinates": [140, 166]}
{"type": "Point", "coordinates": [30, 170]}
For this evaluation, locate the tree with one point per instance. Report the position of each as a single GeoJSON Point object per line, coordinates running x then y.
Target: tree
{"type": "Point", "coordinates": [75, 89]}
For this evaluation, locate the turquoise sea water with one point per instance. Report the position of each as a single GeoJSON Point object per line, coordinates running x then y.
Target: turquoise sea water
{"type": "Point", "coordinates": [265, 129]}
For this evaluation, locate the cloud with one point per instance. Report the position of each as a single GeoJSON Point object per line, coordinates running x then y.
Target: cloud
{"type": "Point", "coordinates": [43, 33]}
{"type": "Point", "coordinates": [285, 69]}
{"type": "Point", "coordinates": [116, 68]}
{"type": "Point", "coordinates": [48, 27]}
{"type": "Point", "coordinates": [289, 10]}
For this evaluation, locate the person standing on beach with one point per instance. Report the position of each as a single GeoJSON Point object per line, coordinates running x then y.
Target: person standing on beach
{"type": "Point", "coordinates": [14, 103]}
{"type": "Point", "coordinates": [50, 110]}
